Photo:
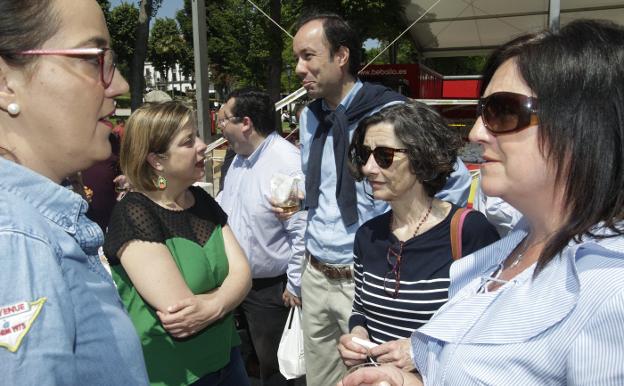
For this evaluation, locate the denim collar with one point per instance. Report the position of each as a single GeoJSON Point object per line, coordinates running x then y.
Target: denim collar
{"type": "Point", "coordinates": [55, 202]}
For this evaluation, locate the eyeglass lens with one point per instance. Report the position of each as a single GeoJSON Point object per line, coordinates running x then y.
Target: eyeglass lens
{"type": "Point", "coordinates": [224, 120]}
{"type": "Point", "coordinates": [394, 260]}
{"type": "Point", "coordinates": [108, 67]}
{"type": "Point", "coordinates": [383, 155]}
{"type": "Point", "coordinates": [504, 112]}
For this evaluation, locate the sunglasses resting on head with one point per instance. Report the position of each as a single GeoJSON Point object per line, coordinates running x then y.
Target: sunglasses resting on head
{"type": "Point", "coordinates": [507, 112]}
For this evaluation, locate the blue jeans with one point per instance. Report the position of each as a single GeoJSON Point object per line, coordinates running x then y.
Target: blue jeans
{"type": "Point", "coordinates": [233, 374]}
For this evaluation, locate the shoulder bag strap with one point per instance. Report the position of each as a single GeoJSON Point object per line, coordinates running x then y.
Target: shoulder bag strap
{"type": "Point", "coordinates": [457, 222]}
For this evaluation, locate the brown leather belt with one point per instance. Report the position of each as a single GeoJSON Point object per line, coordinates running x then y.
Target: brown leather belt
{"type": "Point", "coordinates": [331, 271]}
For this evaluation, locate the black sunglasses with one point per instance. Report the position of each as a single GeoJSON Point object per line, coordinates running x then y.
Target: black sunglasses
{"type": "Point", "coordinates": [506, 112]}
{"type": "Point", "coordinates": [384, 156]}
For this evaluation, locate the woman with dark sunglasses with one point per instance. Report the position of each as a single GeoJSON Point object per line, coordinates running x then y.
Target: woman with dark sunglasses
{"type": "Point", "coordinates": [402, 258]}
{"type": "Point", "coordinates": [544, 305]}
{"type": "Point", "coordinates": [61, 321]}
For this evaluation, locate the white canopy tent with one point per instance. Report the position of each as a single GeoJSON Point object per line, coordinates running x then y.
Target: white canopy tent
{"type": "Point", "coordinates": [474, 27]}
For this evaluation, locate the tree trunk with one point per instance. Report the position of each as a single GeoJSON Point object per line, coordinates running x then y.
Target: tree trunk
{"type": "Point", "coordinates": [393, 52]}
{"type": "Point", "coordinates": [137, 80]}
{"type": "Point", "coordinates": [274, 85]}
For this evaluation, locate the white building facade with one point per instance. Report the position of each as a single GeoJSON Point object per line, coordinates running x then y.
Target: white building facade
{"type": "Point", "coordinates": [175, 80]}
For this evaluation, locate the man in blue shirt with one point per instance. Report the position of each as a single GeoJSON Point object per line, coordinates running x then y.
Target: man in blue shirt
{"type": "Point", "coordinates": [328, 57]}
{"type": "Point", "coordinates": [274, 248]}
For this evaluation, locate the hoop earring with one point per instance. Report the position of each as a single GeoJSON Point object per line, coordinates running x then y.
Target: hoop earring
{"type": "Point", "coordinates": [161, 183]}
{"type": "Point", "coordinates": [13, 109]}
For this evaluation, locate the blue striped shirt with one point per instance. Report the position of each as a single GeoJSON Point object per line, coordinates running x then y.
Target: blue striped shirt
{"type": "Point", "coordinates": [564, 327]}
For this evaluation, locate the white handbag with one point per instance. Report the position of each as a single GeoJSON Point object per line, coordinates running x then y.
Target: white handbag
{"type": "Point", "coordinates": [290, 351]}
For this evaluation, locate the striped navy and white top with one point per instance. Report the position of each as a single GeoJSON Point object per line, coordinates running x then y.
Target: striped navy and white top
{"type": "Point", "coordinates": [424, 274]}
{"type": "Point", "coordinates": [563, 327]}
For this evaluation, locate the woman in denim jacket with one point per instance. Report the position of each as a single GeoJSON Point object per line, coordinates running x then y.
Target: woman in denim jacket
{"type": "Point", "coordinates": [61, 320]}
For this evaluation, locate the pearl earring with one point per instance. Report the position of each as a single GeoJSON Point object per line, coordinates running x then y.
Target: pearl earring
{"type": "Point", "coordinates": [13, 109]}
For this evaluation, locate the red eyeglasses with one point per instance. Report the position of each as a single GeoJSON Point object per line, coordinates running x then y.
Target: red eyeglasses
{"type": "Point", "coordinates": [384, 156]}
{"type": "Point", "coordinates": [105, 56]}
{"type": "Point", "coordinates": [394, 260]}
{"type": "Point", "coordinates": [506, 112]}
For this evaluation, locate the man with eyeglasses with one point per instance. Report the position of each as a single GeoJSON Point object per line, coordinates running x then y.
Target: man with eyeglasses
{"type": "Point", "coordinates": [274, 247]}
{"type": "Point", "coordinates": [327, 51]}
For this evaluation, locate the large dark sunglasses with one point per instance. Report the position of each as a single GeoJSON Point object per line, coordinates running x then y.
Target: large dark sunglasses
{"type": "Point", "coordinates": [384, 156]}
{"type": "Point", "coordinates": [506, 112]}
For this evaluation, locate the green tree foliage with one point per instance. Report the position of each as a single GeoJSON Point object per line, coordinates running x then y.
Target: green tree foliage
{"type": "Point", "coordinates": [105, 5]}
{"type": "Point", "coordinates": [466, 65]}
{"type": "Point", "coordinates": [377, 19]}
{"type": "Point", "coordinates": [122, 24]}
{"type": "Point", "coordinates": [166, 44]}
{"type": "Point", "coordinates": [241, 39]}
{"type": "Point", "coordinates": [185, 22]}
{"type": "Point", "coordinates": [240, 42]}
{"type": "Point", "coordinates": [290, 15]}
{"type": "Point", "coordinates": [405, 53]}
{"type": "Point", "coordinates": [237, 47]}
{"type": "Point", "coordinates": [147, 8]}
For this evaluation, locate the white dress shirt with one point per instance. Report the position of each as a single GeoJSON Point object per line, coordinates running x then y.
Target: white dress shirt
{"type": "Point", "coordinates": [498, 212]}
{"type": "Point", "coordinates": [273, 247]}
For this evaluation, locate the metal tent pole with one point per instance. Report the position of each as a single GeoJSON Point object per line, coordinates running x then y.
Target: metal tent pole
{"type": "Point", "coordinates": [202, 91]}
{"type": "Point", "coordinates": [554, 10]}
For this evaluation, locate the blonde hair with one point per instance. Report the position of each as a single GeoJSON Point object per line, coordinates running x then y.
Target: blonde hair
{"type": "Point", "coordinates": [150, 129]}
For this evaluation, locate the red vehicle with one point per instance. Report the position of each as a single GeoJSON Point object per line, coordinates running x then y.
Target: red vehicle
{"type": "Point", "coordinates": [454, 96]}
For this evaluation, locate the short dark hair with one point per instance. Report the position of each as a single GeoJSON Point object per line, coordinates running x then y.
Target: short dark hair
{"type": "Point", "coordinates": [338, 33]}
{"type": "Point", "coordinates": [25, 25]}
{"type": "Point", "coordinates": [578, 78]}
{"type": "Point", "coordinates": [432, 145]}
{"type": "Point", "coordinates": [255, 104]}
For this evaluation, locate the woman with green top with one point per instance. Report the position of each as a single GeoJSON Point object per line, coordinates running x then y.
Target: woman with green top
{"type": "Point", "coordinates": [178, 268]}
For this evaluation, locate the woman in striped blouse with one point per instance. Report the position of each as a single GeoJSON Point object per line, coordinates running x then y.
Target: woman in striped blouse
{"type": "Point", "coordinates": [544, 305]}
{"type": "Point", "coordinates": [402, 258]}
